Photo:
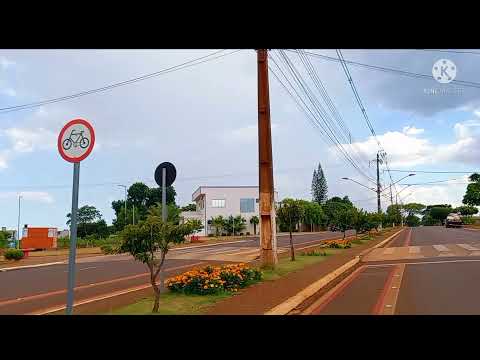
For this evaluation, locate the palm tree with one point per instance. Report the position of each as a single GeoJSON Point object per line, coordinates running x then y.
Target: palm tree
{"type": "Point", "coordinates": [254, 221]}
{"type": "Point", "coordinates": [217, 223]}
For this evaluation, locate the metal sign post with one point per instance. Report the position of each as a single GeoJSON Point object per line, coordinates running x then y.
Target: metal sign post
{"type": "Point", "coordinates": [164, 194]}
{"type": "Point", "coordinates": [165, 175]}
{"type": "Point", "coordinates": [75, 143]}
{"type": "Point", "coordinates": [73, 239]}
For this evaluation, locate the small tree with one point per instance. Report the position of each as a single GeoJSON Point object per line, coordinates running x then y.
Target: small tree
{"type": "Point", "coordinates": [319, 186]}
{"type": "Point", "coordinates": [218, 223]}
{"type": "Point", "coordinates": [344, 218]}
{"type": "Point", "coordinates": [254, 220]}
{"type": "Point", "coordinates": [290, 212]}
{"type": "Point", "coordinates": [235, 224]}
{"type": "Point", "coordinates": [190, 207]}
{"type": "Point", "coordinates": [149, 242]}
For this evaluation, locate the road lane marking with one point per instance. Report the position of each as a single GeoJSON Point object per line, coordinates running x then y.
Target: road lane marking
{"type": "Point", "coordinates": [408, 238]}
{"type": "Point", "coordinates": [388, 251]}
{"type": "Point", "coordinates": [414, 249]}
{"type": "Point", "coordinates": [441, 248]}
{"type": "Point", "coordinates": [380, 304]}
{"type": "Point", "coordinates": [424, 262]}
{"type": "Point", "coordinates": [387, 302]}
{"type": "Point", "coordinates": [63, 291]}
{"type": "Point", "coordinates": [87, 268]}
{"type": "Point", "coordinates": [468, 247]}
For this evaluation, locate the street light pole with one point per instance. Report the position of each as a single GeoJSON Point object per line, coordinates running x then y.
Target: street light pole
{"type": "Point", "coordinates": [18, 223]}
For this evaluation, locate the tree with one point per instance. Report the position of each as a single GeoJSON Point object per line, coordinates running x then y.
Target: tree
{"type": "Point", "coordinates": [254, 220]}
{"type": "Point", "coordinates": [155, 195]}
{"type": "Point", "coordinates": [190, 207]}
{"type": "Point", "coordinates": [290, 212]}
{"type": "Point", "coordinates": [394, 215]}
{"type": "Point", "coordinates": [4, 239]}
{"type": "Point", "coordinates": [138, 194]}
{"type": "Point", "coordinates": [439, 213]}
{"type": "Point", "coordinates": [334, 205]}
{"type": "Point", "coordinates": [319, 186]}
{"type": "Point", "coordinates": [360, 221]}
{"type": "Point", "coordinates": [472, 195]}
{"type": "Point", "coordinates": [149, 242]}
{"type": "Point", "coordinates": [466, 210]}
{"type": "Point", "coordinates": [344, 218]}
{"type": "Point", "coordinates": [313, 214]}
{"type": "Point", "coordinates": [173, 212]}
{"type": "Point", "coordinates": [218, 222]}
{"type": "Point", "coordinates": [414, 208]}
{"type": "Point", "coordinates": [89, 222]}
{"type": "Point", "coordinates": [234, 225]}
{"type": "Point", "coordinates": [412, 220]}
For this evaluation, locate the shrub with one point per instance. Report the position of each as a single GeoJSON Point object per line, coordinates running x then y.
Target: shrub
{"type": "Point", "coordinates": [241, 234]}
{"type": "Point", "coordinates": [339, 244]}
{"type": "Point", "coordinates": [13, 254]}
{"type": "Point", "coordinates": [214, 279]}
{"type": "Point", "coordinates": [247, 233]}
{"type": "Point", "coordinates": [224, 234]}
{"type": "Point", "coordinates": [211, 235]}
{"type": "Point", "coordinates": [314, 253]}
{"type": "Point", "coordinates": [109, 249]}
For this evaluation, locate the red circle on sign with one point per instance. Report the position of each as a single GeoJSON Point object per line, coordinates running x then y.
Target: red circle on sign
{"type": "Point", "coordinates": [90, 148]}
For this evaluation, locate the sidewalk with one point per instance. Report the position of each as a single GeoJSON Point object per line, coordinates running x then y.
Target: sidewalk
{"type": "Point", "coordinates": [258, 299]}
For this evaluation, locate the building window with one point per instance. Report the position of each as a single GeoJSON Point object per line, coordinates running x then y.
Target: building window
{"type": "Point", "coordinates": [218, 203]}
{"type": "Point", "coordinates": [247, 205]}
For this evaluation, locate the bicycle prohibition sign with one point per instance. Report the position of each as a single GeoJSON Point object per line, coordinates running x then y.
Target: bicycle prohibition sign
{"type": "Point", "coordinates": [76, 140]}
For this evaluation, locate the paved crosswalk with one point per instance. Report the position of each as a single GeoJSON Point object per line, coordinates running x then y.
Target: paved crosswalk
{"type": "Point", "coordinates": [418, 252]}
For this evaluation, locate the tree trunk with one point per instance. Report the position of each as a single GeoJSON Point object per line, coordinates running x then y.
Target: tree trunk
{"type": "Point", "coordinates": [292, 249]}
{"type": "Point", "coordinates": [254, 229]}
{"type": "Point", "coordinates": [344, 234]}
{"type": "Point", "coordinates": [156, 289]}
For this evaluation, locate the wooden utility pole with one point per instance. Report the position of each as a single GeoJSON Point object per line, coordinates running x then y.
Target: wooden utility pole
{"type": "Point", "coordinates": [268, 236]}
{"type": "Point", "coordinates": [379, 208]}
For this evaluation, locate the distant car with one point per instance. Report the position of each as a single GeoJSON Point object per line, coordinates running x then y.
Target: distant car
{"type": "Point", "coordinates": [453, 220]}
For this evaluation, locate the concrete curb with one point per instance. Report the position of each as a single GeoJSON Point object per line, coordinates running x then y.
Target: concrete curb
{"type": "Point", "coordinates": [366, 251]}
{"type": "Point", "coordinates": [291, 303]}
{"type": "Point", "coordinates": [31, 266]}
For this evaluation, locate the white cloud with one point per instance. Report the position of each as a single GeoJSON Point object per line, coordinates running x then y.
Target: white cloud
{"type": "Point", "coordinates": [412, 130]}
{"type": "Point", "coordinates": [39, 196]}
{"type": "Point", "coordinates": [27, 140]}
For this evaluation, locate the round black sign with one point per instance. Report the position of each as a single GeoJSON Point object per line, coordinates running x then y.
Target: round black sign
{"type": "Point", "coordinates": [171, 173]}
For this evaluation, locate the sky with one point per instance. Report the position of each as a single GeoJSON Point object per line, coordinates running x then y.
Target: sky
{"type": "Point", "coordinates": [203, 119]}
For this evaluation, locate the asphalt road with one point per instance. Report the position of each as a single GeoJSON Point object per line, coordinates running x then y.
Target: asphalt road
{"type": "Point", "coordinates": [33, 290]}
{"type": "Point", "coordinates": [423, 271]}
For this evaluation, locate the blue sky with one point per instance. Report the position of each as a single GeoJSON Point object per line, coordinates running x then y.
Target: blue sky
{"type": "Point", "coordinates": [203, 119]}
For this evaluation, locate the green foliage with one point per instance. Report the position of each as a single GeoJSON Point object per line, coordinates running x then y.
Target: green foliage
{"type": "Point", "coordinates": [439, 213]}
{"type": "Point", "coordinates": [13, 254]}
{"type": "Point", "coordinates": [427, 220]}
{"type": "Point", "coordinates": [319, 186]}
{"type": "Point", "coordinates": [414, 208]}
{"type": "Point", "coordinates": [190, 207]}
{"type": "Point", "coordinates": [412, 220]}
{"type": "Point", "coordinates": [466, 210]}
{"type": "Point", "coordinates": [4, 239]}
{"type": "Point", "coordinates": [394, 214]}
{"type": "Point", "coordinates": [312, 213]}
{"type": "Point", "coordinates": [173, 212]}
{"type": "Point", "coordinates": [472, 195]}
{"type": "Point", "coordinates": [90, 222]}
{"type": "Point", "coordinates": [218, 222]}
{"type": "Point", "coordinates": [234, 225]}
{"type": "Point", "coordinates": [254, 220]}
{"type": "Point", "coordinates": [290, 212]}
{"type": "Point", "coordinates": [314, 253]}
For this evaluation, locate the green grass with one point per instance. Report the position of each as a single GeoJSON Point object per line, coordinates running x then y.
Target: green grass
{"type": "Point", "coordinates": [172, 304]}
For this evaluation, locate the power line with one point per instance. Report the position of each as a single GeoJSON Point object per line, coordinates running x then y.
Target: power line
{"type": "Point", "coordinates": [391, 70]}
{"type": "Point", "coordinates": [450, 51]}
{"type": "Point", "coordinates": [436, 172]}
{"type": "Point", "coordinates": [315, 110]}
{"type": "Point", "coordinates": [181, 66]}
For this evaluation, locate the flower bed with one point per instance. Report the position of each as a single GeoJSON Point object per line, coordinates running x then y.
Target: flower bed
{"type": "Point", "coordinates": [339, 244]}
{"type": "Point", "coordinates": [214, 279]}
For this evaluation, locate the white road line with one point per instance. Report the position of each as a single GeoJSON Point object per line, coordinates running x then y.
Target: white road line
{"type": "Point", "coordinates": [425, 263]}
{"type": "Point", "coordinates": [441, 248]}
{"type": "Point", "coordinates": [414, 249]}
{"type": "Point", "coordinates": [468, 247]}
{"type": "Point", "coordinates": [388, 251]}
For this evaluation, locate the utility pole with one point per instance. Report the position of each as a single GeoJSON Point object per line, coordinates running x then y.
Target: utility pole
{"type": "Point", "coordinates": [268, 236]}
{"type": "Point", "coordinates": [125, 187]}
{"type": "Point", "coordinates": [379, 209]}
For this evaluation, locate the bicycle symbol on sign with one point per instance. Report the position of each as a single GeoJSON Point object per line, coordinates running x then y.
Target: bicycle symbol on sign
{"type": "Point", "coordinates": [76, 139]}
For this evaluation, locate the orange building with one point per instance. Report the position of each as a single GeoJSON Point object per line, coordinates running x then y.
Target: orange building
{"type": "Point", "coordinates": [39, 238]}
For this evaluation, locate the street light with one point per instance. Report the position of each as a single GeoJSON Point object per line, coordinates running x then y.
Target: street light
{"type": "Point", "coordinates": [18, 223]}
{"type": "Point", "coordinates": [398, 181]}
{"type": "Point", "coordinates": [125, 187]}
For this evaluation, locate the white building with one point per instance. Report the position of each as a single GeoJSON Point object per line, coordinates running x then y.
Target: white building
{"type": "Point", "coordinates": [212, 201]}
